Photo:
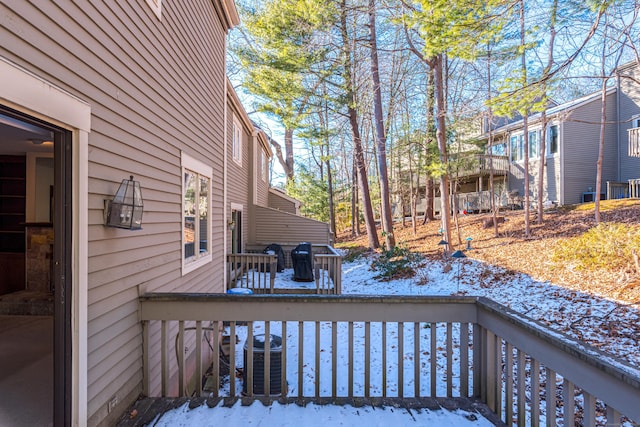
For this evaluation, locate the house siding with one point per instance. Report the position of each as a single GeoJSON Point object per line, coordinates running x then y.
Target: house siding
{"type": "Point", "coordinates": [277, 201]}
{"type": "Point", "coordinates": [273, 225]}
{"type": "Point", "coordinates": [156, 88]}
{"type": "Point", "coordinates": [262, 187]}
{"type": "Point", "coordinates": [629, 108]}
{"type": "Point", "coordinates": [238, 176]}
{"type": "Point", "coordinates": [580, 140]}
{"type": "Point", "coordinates": [572, 171]}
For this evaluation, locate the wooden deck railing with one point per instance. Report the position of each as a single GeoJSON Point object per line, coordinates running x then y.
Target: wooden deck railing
{"type": "Point", "coordinates": [253, 271]}
{"type": "Point", "coordinates": [443, 346]}
{"type": "Point", "coordinates": [246, 271]}
{"type": "Point", "coordinates": [481, 165]}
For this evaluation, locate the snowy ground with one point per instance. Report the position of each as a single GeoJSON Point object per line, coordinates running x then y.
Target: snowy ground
{"type": "Point", "coordinates": [605, 324]}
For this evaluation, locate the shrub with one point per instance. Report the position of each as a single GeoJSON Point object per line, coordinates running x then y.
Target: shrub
{"type": "Point", "coordinates": [397, 262]}
{"type": "Point", "coordinates": [352, 253]}
{"type": "Point", "coordinates": [607, 246]}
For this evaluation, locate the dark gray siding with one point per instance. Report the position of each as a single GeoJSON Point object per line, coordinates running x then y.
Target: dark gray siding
{"type": "Point", "coordinates": [580, 138]}
{"type": "Point", "coordinates": [156, 88]}
{"type": "Point", "coordinates": [629, 104]}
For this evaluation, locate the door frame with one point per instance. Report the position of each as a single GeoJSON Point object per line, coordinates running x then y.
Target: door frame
{"type": "Point", "coordinates": [31, 95]}
{"type": "Point", "coordinates": [236, 233]}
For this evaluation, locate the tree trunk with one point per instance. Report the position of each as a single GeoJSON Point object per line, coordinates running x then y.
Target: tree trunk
{"type": "Point", "coordinates": [381, 140]}
{"type": "Point", "coordinates": [543, 136]}
{"type": "Point", "coordinates": [525, 122]}
{"type": "Point", "coordinates": [441, 136]}
{"type": "Point", "coordinates": [358, 154]}
{"type": "Point", "coordinates": [332, 209]}
{"type": "Point", "coordinates": [430, 139]}
{"type": "Point", "coordinates": [494, 208]}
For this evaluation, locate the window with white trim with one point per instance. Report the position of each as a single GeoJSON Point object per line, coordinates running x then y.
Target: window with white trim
{"type": "Point", "coordinates": [533, 144]}
{"type": "Point", "coordinates": [516, 147]}
{"type": "Point", "coordinates": [635, 122]}
{"type": "Point", "coordinates": [196, 213]}
{"type": "Point", "coordinates": [553, 140]}
{"type": "Point", "coordinates": [236, 146]}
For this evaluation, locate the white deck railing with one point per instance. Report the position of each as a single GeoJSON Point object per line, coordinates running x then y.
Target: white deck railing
{"type": "Point", "coordinates": [443, 346]}
{"type": "Point", "coordinates": [634, 142]}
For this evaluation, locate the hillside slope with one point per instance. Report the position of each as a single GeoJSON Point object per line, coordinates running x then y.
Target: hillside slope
{"type": "Point", "coordinates": [532, 255]}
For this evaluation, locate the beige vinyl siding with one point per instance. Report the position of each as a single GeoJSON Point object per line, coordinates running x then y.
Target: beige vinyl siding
{"type": "Point", "coordinates": [629, 104]}
{"type": "Point", "coordinates": [238, 176]}
{"type": "Point", "coordinates": [274, 226]}
{"type": "Point", "coordinates": [156, 88]}
{"type": "Point", "coordinates": [580, 139]}
{"type": "Point", "coordinates": [262, 187]}
{"type": "Point", "coordinates": [277, 201]}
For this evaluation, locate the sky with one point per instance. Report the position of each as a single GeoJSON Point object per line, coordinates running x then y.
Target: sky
{"type": "Point", "coordinates": [563, 310]}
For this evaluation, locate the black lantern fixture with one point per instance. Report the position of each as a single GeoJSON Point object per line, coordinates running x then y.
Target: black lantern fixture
{"type": "Point", "coordinates": [125, 210]}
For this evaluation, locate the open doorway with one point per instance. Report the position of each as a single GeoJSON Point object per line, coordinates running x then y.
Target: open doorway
{"type": "Point", "coordinates": [236, 231]}
{"type": "Point", "coordinates": [34, 269]}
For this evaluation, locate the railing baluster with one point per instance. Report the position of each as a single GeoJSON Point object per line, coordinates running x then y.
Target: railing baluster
{"type": "Point", "coordinates": [535, 392]}
{"type": "Point", "coordinates": [508, 389]}
{"type": "Point", "coordinates": [449, 371]}
{"type": "Point", "coordinates": [433, 375]}
{"type": "Point", "coordinates": [283, 369]}
{"type": "Point", "coordinates": [569, 405]}
{"type": "Point", "coordinates": [198, 358]}
{"type": "Point", "coordinates": [318, 375]}
{"type": "Point", "coordinates": [588, 410]}
{"type": "Point", "coordinates": [416, 359]}
{"type": "Point", "coordinates": [384, 359]}
{"type": "Point", "coordinates": [300, 359]}
{"type": "Point", "coordinates": [550, 397]}
{"type": "Point", "coordinates": [232, 361]}
{"type": "Point", "coordinates": [613, 417]}
{"type": "Point", "coordinates": [164, 360]}
{"type": "Point", "coordinates": [464, 359]}
{"type": "Point", "coordinates": [351, 366]}
{"type": "Point", "coordinates": [250, 358]}
{"type": "Point", "coordinates": [146, 359]}
{"type": "Point", "coordinates": [400, 359]}
{"type": "Point", "coordinates": [267, 359]}
{"type": "Point", "coordinates": [497, 369]}
{"type": "Point", "coordinates": [334, 358]}
{"type": "Point", "coordinates": [491, 374]}
{"type": "Point", "coordinates": [216, 358]}
{"type": "Point", "coordinates": [367, 358]}
{"type": "Point", "coordinates": [477, 360]}
{"type": "Point", "coordinates": [181, 367]}
{"type": "Point", "coordinates": [522, 374]}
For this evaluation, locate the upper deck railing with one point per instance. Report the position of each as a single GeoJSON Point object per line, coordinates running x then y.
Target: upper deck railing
{"type": "Point", "coordinates": [257, 271]}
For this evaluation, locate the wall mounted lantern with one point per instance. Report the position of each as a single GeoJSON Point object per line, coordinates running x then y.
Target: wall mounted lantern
{"type": "Point", "coordinates": [125, 210]}
{"type": "Point", "coordinates": [231, 225]}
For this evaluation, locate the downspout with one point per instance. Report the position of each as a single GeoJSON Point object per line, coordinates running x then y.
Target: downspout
{"type": "Point", "coordinates": [561, 152]}
{"type": "Point", "coordinates": [619, 156]}
{"type": "Point", "coordinates": [224, 178]}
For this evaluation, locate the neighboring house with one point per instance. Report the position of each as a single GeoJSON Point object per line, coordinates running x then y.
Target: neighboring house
{"type": "Point", "coordinates": [258, 215]}
{"type": "Point", "coordinates": [91, 93]}
{"type": "Point", "coordinates": [572, 146]}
